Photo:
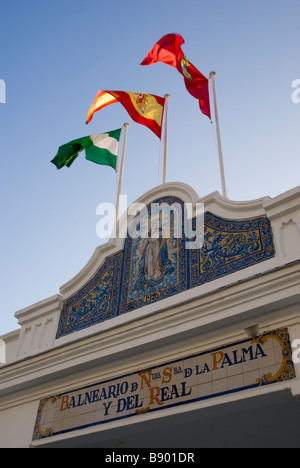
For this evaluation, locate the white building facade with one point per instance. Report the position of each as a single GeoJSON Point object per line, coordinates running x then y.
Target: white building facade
{"type": "Point", "coordinates": [155, 344]}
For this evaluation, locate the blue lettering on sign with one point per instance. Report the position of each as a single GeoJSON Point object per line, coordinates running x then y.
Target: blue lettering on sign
{"type": "Point", "coordinates": [129, 403]}
{"type": "Point", "coordinates": [175, 383]}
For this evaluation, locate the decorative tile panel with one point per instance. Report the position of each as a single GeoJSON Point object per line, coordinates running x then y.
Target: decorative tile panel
{"type": "Point", "coordinates": [152, 268]}
{"type": "Point", "coordinates": [236, 367]}
{"type": "Point", "coordinates": [230, 246]}
{"type": "Point", "coordinates": [96, 302]}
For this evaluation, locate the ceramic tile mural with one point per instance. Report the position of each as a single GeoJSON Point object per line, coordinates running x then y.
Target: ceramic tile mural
{"type": "Point", "coordinates": [95, 302]}
{"type": "Point", "coordinates": [240, 366]}
{"type": "Point", "coordinates": [230, 246]}
{"type": "Point", "coordinates": [150, 269]}
{"type": "Point", "coordinates": [155, 267]}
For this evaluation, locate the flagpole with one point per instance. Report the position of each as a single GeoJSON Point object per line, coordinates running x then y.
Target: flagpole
{"type": "Point", "coordinates": [126, 125]}
{"type": "Point", "coordinates": [167, 97]}
{"type": "Point", "coordinates": [221, 161]}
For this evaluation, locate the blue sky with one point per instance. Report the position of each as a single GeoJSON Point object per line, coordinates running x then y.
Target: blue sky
{"type": "Point", "coordinates": [56, 54]}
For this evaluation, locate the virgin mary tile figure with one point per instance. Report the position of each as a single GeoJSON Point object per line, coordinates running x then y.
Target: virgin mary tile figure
{"type": "Point", "coordinates": [154, 255]}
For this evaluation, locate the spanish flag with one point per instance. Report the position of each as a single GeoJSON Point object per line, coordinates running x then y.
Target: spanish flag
{"type": "Point", "coordinates": [145, 109]}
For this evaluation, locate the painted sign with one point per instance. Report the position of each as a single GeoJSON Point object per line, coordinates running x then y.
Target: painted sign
{"type": "Point", "coordinates": [247, 364]}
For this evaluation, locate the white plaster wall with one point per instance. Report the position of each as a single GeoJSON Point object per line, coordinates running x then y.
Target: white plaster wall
{"type": "Point", "coordinates": [284, 213]}
{"type": "Point", "coordinates": [38, 328]}
{"type": "Point", "coordinates": [16, 425]}
{"type": "Point", "coordinates": [295, 343]}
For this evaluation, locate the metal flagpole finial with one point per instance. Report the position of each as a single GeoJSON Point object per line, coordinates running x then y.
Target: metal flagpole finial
{"type": "Point", "coordinates": [212, 73]}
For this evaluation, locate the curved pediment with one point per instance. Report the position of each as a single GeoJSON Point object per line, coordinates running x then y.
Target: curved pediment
{"type": "Point", "coordinates": [182, 191]}
{"type": "Point", "coordinates": [160, 258]}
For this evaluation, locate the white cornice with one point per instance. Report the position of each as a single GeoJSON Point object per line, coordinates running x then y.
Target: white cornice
{"type": "Point", "coordinates": [39, 309]}
{"type": "Point", "coordinates": [283, 204]}
{"type": "Point", "coordinates": [221, 206]}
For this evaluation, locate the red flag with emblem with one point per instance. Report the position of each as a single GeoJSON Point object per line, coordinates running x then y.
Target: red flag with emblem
{"type": "Point", "coordinates": [168, 50]}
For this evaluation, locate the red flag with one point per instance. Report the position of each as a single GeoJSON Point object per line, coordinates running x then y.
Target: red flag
{"type": "Point", "coordinates": [168, 50]}
{"type": "Point", "coordinates": [146, 109]}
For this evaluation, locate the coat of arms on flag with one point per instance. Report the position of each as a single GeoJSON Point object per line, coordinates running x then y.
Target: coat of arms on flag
{"type": "Point", "coordinates": [141, 101]}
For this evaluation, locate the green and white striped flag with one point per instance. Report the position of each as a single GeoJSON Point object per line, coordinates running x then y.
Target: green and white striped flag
{"type": "Point", "coordinates": [100, 149]}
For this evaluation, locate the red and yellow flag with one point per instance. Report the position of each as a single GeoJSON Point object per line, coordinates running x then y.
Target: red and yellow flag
{"type": "Point", "coordinates": [168, 50]}
{"type": "Point", "coordinates": [145, 109]}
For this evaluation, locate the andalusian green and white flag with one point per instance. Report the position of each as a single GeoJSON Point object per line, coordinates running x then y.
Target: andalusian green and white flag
{"type": "Point", "coordinates": [100, 149]}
